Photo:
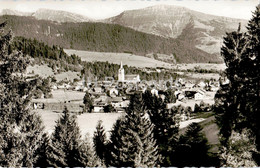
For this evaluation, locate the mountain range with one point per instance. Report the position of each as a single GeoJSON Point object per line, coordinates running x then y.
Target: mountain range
{"type": "Point", "coordinates": [198, 30]}
{"type": "Point", "coordinates": [48, 14]}
{"type": "Point", "coordinates": [172, 21]}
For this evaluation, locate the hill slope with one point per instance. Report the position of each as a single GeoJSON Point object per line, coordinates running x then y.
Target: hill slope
{"type": "Point", "coordinates": [179, 22]}
{"type": "Point", "coordinates": [103, 37]}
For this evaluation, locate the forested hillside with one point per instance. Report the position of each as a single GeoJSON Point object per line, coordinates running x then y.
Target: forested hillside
{"type": "Point", "coordinates": [59, 61]}
{"type": "Point", "coordinates": [105, 38]}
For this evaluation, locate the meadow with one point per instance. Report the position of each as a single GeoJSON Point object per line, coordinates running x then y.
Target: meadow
{"type": "Point", "coordinates": [116, 58]}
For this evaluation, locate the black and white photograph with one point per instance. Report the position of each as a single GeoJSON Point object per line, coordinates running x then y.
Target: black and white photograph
{"type": "Point", "coordinates": [129, 83]}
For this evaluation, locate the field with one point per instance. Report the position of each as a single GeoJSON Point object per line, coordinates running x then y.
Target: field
{"type": "Point", "coordinates": [87, 121]}
{"type": "Point", "coordinates": [61, 95]}
{"type": "Point", "coordinates": [116, 58]}
{"type": "Point", "coordinates": [44, 71]}
{"type": "Point", "coordinates": [217, 67]}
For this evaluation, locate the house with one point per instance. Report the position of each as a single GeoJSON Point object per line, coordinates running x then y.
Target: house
{"type": "Point", "coordinates": [113, 92]}
{"type": "Point", "coordinates": [97, 89]}
{"type": "Point", "coordinates": [119, 110]}
{"type": "Point", "coordinates": [116, 102]}
{"type": "Point", "coordinates": [98, 109]}
{"type": "Point", "coordinates": [201, 84]}
{"type": "Point", "coordinates": [200, 95]}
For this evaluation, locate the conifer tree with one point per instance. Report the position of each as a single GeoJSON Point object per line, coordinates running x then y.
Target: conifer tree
{"type": "Point", "coordinates": [87, 100]}
{"type": "Point", "coordinates": [132, 142]}
{"type": "Point", "coordinates": [65, 148]}
{"type": "Point", "coordinates": [237, 102]}
{"type": "Point", "coordinates": [100, 141]}
{"type": "Point", "coordinates": [166, 126]}
{"type": "Point", "coordinates": [192, 149]}
{"type": "Point", "coordinates": [21, 130]}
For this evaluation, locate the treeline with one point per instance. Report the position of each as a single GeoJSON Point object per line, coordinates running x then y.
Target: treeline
{"type": "Point", "coordinates": [103, 37]}
{"type": "Point", "coordinates": [54, 56]}
{"type": "Point", "coordinates": [105, 69]}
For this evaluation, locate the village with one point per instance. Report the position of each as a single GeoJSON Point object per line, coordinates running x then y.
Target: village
{"type": "Point", "coordinates": [116, 94]}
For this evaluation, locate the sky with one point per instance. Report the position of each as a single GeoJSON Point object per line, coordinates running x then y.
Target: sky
{"type": "Point", "coordinates": [100, 9]}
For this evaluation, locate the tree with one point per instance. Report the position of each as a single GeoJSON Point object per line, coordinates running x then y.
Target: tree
{"type": "Point", "coordinates": [238, 153]}
{"type": "Point", "coordinates": [170, 96]}
{"type": "Point", "coordinates": [108, 108]}
{"type": "Point", "coordinates": [132, 142]}
{"type": "Point", "coordinates": [166, 126]}
{"type": "Point", "coordinates": [87, 100]}
{"type": "Point", "coordinates": [66, 144]}
{"type": "Point", "coordinates": [100, 141]}
{"type": "Point", "coordinates": [192, 149]}
{"type": "Point", "coordinates": [20, 130]}
{"type": "Point", "coordinates": [237, 101]}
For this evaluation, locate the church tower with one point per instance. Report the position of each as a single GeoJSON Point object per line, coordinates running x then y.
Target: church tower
{"type": "Point", "coordinates": [121, 73]}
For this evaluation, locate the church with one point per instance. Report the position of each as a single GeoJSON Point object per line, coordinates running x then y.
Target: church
{"type": "Point", "coordinates": [127, 78]}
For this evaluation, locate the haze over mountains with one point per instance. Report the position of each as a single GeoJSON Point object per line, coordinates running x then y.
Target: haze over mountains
{"type": "Point", "coordinates": [197, 30]}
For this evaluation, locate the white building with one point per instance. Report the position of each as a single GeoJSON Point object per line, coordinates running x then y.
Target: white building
{"type": "Point", "coordinates": [200, 95]}
{"type": "Point", "coordinates": [134, 78]}
{"type": "Point", "coordinates": [121, 73]}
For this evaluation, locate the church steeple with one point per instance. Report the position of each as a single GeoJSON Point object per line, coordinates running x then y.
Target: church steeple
{"type": "Point", "coordinates": [121, 73]}
{"type": "Point", "coordinates": [121, 65]}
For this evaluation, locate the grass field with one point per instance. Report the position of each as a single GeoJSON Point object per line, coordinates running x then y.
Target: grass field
{"type": "Point", "coordinates": [44, 71]}
{"type": "Point", "coordinates": [87, 121]}
{"type": "Point", "coordinates": [206, 66]}
{"type": "Point", "coordinates": [116, 58]}
{"type": "Point", "coordinates": [61, 95]}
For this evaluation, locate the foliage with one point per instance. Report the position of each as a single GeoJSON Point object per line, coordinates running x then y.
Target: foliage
{"type": "Point", "coordinates": [100, 141]}
{"type": "Point", "coordinates": [20, 129]}
{"type": "Point", "coordinates": [166, 125]}
{"type": "Point", "coordinates": [109, 108]}
{"type": "Point", "coordinates": [192, 149]}
{"type": "Point", "coordinates": [67, 148]}
{"type": "Point", "coordinates": [132, 142]}
{"type": "Point", "coordinates": [237, 102]}
{"type": "Point", "coordinates": [170, 96]}
{"type": "Point", "coordinates": [88, 101]}
{"type": "Point", "coordinates": [238, 153]}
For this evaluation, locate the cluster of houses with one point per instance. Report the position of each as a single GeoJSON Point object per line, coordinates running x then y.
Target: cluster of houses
{"type": "Point", "coordinates": [117, 94]}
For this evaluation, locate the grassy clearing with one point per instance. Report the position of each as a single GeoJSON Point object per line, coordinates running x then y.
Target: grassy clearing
{"type": "Point", "coordinates": [116, 58]}
{"type": "Point", "coordinates": [87, 121]}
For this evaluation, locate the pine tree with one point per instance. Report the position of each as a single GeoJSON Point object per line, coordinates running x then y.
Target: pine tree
{"type": "Point", "coordinates": [88, 155]}
{"type": "Point", "coordinates": [21, 130]}
{"type": "Point", "coordinates": [65, 148]}
{"type": "Point", "coordinates": [166, 126]}
{"type": "Point", "coordinates": [132, 142]}
{"type": "Point", "coordinates": [192, 149]}
{"type": "Point", "coordinates": [100, 141]}
{"type": "Point", "coordinates": [170, 96]}
{"type": "Point", "coordinates": [237, 103]}
{"type": "Point", "coordinates": [87, 100]}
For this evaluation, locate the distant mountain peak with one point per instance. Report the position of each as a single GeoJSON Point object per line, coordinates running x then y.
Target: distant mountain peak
{"type": "Point", "coordinates": [204, 30]}
{"type": "Point", "coordinates": [14, 12]}
{"type": "Point", "coordinates": [49, 14]}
